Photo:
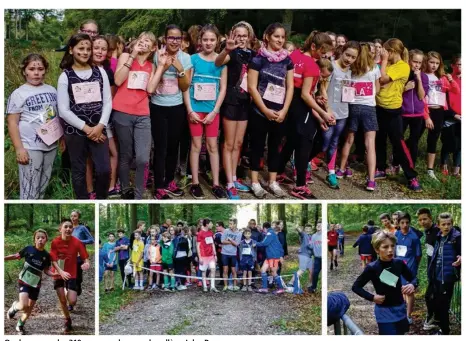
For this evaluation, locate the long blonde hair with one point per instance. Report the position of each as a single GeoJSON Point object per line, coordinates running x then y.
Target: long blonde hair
{"type": "Point", "coordinates": [396, 45]}
{"type": "Point", "coordinates": [441, 68]}
{"type": "Point", "coordinates": [364, 62]}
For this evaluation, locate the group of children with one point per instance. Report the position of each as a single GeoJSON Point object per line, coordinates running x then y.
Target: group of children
{"type": "Point", "coordinates": [390, 257]}
{"type": "Point", "coordinates": [113, 101]}
{"type": "Point", "coordinates": [173, 258]}
{"type": "Point", "coordinates": [65, 262]}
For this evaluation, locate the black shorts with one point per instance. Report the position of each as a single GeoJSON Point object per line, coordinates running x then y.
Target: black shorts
{"type": "Point", "coordinates": [33, 292]}
{"type": "Point", "coordinates": [238, 112]}
{"type": "Point", "coordinates": [331, 248]}
{"type": "Point", "coordinates": [69, 284]}
{"type": "Point", "coordinates": [166, 266]}
{"type": "Point", "coordinates": [229, 261]}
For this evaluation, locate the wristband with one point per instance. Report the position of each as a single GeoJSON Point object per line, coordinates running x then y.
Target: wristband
{"type": "Point", "coordinates": [127, 65]}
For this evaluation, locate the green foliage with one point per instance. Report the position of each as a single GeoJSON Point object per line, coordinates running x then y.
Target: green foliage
{"type": "Point", "coordinates": [355, 216]}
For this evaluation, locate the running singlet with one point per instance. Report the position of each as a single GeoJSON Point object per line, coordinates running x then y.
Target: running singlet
{"type": "Point", "coordinates": [205, 240]}
{"type": "Point", "coordinates": [35, 262]}
{"type": "Point", "coordinates": [332, 237]}
{"type": "Point", "coordinates": [66, 252]}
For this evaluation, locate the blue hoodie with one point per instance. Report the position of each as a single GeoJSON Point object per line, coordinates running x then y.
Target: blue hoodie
{"type": "Point", "coordinates": [273, 247]}
{"type": "Point", "coordinates": [364, 243]}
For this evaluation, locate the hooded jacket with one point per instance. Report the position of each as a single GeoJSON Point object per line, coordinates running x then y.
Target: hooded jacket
{"type": "Point", "coordinates": [273, 247]}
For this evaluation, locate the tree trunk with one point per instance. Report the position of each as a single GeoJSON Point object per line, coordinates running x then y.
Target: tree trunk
{"type": "Point", "coordinates": [304, 214]}
{"type": "Point", "coordinates": [287, 20]}
{"type": "Point", "coordinates": [7, 217]}
{"type": "Point", "coordinates": [134, 216]}
{"type": "Point", "coordinates": [149, 214]}
{"type": "Point", "coordinates": [258, 210]}
{"type": "Point", "coordinates": [109, 216]}
{"type": "Point", "coordinates": [282, 215]}
{"type": "Point", "coordinates": [189, 213]}
{"type": "Point", "coordinates": [31, 216]}
{"type": "Point", "coordinates": [317, 214]}
{"type": "Point", "coordinates": [155, 213]}
{"type": "Point", "coordinates": [128, 226]}
{"type": "Point", "coordinates": [58, 216]}
{"type": "Point", "coordinates": [162, 214]}
{"type": "Point", "coordinates": [184, 212]}
{"type": "Point", "coordinates": [268, 212]}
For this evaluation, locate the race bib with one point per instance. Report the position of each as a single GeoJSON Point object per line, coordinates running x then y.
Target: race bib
{"type": "Point", "coordinates": [275, 93]}
{"type": "Point", "coordinates": [209, 240]}
{"type": "Point", "coordinates": [180, 254]}
{"type": "Point", "coordinates": [30, 275]}
{"type": "Point", "coordinates": [247, 251]}
{"type": "Point", "coordinates": [50, 132]}
{"type": "Point", "coordinates": [348, 93]}
{"type": "Point", "coordinates": [429, 250]}
{"type": "Point", "coordinates": [138, 80]}
{"type": "Point", "coordinates": [244, 83]}
{"type": "Point", "coordinates": [205, 91]}
{"type": "Point", "coordinates": [364, 89]}
{"type": "Point", "coordinates": [168, 86]}
{"type": "Point", "coordinates": [437, 98]}
{"type": "Point", "coordinates": [401, 250]}
{"type": "Point", "coordinates": [388, 278]}
{"type": "Point", "coordinates": [86, 92]}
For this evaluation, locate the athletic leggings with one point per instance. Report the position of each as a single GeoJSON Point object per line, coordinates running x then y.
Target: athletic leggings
{"type": "Point", "coordinates": [133, 133]}
{"type": "Point", "coordinates": [302, 129]}
{"type": "Point", "coordinates": [35, 176]}
{"type": "Point", "coordinates": [451, 143]}
{"type": "Point", "coordinates": [181, 266]}
{"type": "Point", "coordinates": [167, 125]}
{"type": "Point", "coordinates": [437, 117]}
{"type": "Point", "coordinates": [79, 148]}
{"type": "Point", "coordinates": [262, 130]}
{"type": "Point", "coordinates": [416, 128]}
{"type": "Point", "coordinates": [391, 124]}
{"type": "Point", "coordinates": [330, 142]}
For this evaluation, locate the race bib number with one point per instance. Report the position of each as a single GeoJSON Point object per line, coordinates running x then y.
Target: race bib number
{"type": "Point", "coordinates": [205, 91]}
{"type": "Point", "coordinates": [401, 250]}
{"type": "Point", "coordinates": [437, 98]}
{"type": "Point", "coordinates": [86, 92]}
{"type": "Point", "coordinates": [50, 132]}
{"type": "Point", "coordinates": [347, 94]}
{"type": "Point", "coordinates": [275, 93]}
{"type": "Point", "coordinates": [168, 86]}
{"type": "Point", "coordinates": [364, 89]}
{"type": "Point", "coordinates": [244, 83]}
{"type": "Point", "coordinates": [209, 240]}
{"type": "Point", "coordinates": [429, 250]}
{"type": "Point", "coordinates": [388, 278]}
{"type": "Point", "coordinates": [138, 80]}
{"type": "Point", "coordinates": [180, 254]}
{"type": "Point", "coordinates": [247, 251]}
{"type": "Point", "coordinates": [30, 275]}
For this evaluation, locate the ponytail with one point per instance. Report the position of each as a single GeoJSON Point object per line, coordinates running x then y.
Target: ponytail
{"type": "Point", "coordinates": [405, 55]}
{"type": "Point", "coordinates": [319, 39]}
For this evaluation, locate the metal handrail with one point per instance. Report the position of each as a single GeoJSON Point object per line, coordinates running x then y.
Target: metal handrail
{"type": "Point", "coordinates": [349, 327]}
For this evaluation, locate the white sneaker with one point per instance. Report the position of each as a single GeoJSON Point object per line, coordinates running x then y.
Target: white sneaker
{"type": "Point", "coordinates": [431, 175]}
{"type": "Point", "coordinates": [258, 191]}
{"type": "Point", "coordinates": [136, 287]}
{"type": "Point", "coordinates": [230, 287]}
{"type": "Point", "coordinates": [181, 287]}
{"type": "Point", "coordinates": [141, 288]}
{"type": "Point", "coordinates": [276, 190]}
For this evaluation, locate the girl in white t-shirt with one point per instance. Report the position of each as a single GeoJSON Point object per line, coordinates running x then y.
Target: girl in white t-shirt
{"type": "Point", "coordinates": [30, 109]}
{"type": "Point", "coordinates": [365, 84]}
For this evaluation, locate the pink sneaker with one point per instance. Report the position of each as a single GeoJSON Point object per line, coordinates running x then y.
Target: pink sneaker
{"type": "Point", "coordinates": [92, 195]}
{"type": "Point", "coordinates": [309, 180]}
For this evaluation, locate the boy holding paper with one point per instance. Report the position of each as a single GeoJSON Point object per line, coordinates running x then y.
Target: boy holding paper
{"type": "Point", "coordinates": [385, 274]}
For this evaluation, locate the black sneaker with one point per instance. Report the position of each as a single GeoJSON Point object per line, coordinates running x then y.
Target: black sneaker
{"type": "Point", "coordinates": [127, 194]}
{"type": "Point", "coordinates": [68, 327]}
{"type": "Point", "coordinates": [219, 192]}
{"type": "Point", "coordinates": [12, 311]}
{"type": "Point", "coordinates": [20, 329]}
{"type": "Point", "coordinates": [336, 263]}
{"type": "Point", "coordinates": [196, 191]}
{"type": "Point", "coordinates": [331, 266]}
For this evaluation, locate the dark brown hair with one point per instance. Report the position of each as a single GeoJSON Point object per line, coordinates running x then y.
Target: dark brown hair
{"type": "Point", "coordinates": [319, 39]}
{"type": "Point", "coordinates": [68, 59]}
{"type": "Point", "coordinates": [271, 29]}
{"type": "Point", "coordinates": [33, 57]}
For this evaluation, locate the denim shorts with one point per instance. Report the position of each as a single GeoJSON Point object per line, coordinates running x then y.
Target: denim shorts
{"type": "Point", "coordinates": [362, 115]}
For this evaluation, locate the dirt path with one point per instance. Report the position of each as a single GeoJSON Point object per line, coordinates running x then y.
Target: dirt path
{"type": "Point", "coordinates": [46, 317]}
{"type": "Point", "coordinates": [193, 312]}
{"type": "Point", "coordinates": [361, 310]}
{"type": "Point", "coordinates": [353, 188]}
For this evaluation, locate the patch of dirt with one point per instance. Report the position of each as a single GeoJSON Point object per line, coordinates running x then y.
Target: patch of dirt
{"type": "Point", "coordinates": [47, 317]}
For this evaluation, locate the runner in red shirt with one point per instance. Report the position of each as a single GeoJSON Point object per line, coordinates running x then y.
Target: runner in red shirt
{"type": "Point", "coordinates": [207, 254]}
{"type": "Point", "coordinates": [332, 244]}
{"type": "Point", "coordinates": [64, 253]}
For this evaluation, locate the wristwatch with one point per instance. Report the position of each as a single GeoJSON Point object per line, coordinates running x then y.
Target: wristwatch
{"type": "Point", "coordinates": [181, 74]}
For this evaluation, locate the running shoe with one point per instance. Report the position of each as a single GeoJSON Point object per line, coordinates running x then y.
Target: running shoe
{"type": "Point", "coordinates": [315, 163]}
{"type": "Point", "coordinates": [181, 287]}
{"type": "Point", "coordinates": [370, 185]}
{"type": "Point", "coordinates": [309, 180]}
{"type": "Point", "coordinates": [230, 287]}
{"type": "Point", "coordinates": [196, 191]}
{"type": "Point", "coordinates": [219, 192]}
{"type": "Point", "coordinates": [331, 266]}
{"type": "Point", "coordinates": [68, 327]}
{"type": "Point", "coordinates": [311, 290]}
{"type": "Point", "coordinates": [244, 288]}
{"type": "Point", "coordinates": [174, 190]}
{"type": "Point", "coordinates": [276, 190]}
{"type": "Point", "coordinates": [199, 284]}
{"type": "Point", "coordinates": [332, 181]}
{"type": "Point", "coordinates": [20, 329]}
{"type": "Point", "coordinates": [161, 194]}
{"type": "Point", "coordinates": [127, 193]}
{"type": "Point", "coordinates": [136, 287]}
{"type": "Point", "coordinates": [225, 288]}
{"type": "Point", "coordinates": [340, 174]}
{"type": "Point", "coordinates": [92, 195]}
{"type": "Point", "coordinates": [430, 324]}
{"type": "Point", "coordinates": [263, 291]}
{"type": "Point", "coordinates": [70, 308]}
{"type": "Point", "coordinates": [213, 289]}
{"type": "Point", "coordinates": [439, 332]}
{"type": "Point", "coordinates": [205, 289]}
{"type": "Point", "coordinates": [348, 172]}
{"type": "Point", "coordinates": [302, 192]}
{"type": "Point", "coordinates": [414, 185]}
{"type": "Point", "coordinates": [185, 182]}
{"type": "Point", "coordinates": [410, 319]}
{"type": "Point", "coordinates": [113, 192]}
{"type": "Point", "coordinates": [380, 175]}
{"type": "Point", "coordinates": [250, 288]}
{"type": "Point", "coordinates": [235, 288]}
{"type": "Point", "coordinates": [336, 263]}
{"type": "Point", "coordinates": [12, 311]}
{"type": "Point", "coordinates": [166, 289]}
{"type": "Point", "coordinates": [240, 186]}
{"type": "Point", "coordinates": [445, 172]}
{"type": "Point", "coordinates": [278, 291]}
{"type": "Point", "coordinates": [283, 178]}
{"type": "Point", "coordinates": [431, 174]}
{"type": "Point", "coordinates": [258, 191]}
{"type": "Point", "coordinates": [232, 193]}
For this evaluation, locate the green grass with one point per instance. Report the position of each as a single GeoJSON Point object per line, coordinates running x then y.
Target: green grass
{"type": "Point", "coordinates": [178, 329]}
{"type": "Point", "coordinates": [110, 303]}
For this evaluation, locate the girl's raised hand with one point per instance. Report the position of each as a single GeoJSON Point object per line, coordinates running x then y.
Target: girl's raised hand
{"type": "Point", "coordinates": [384, 54]}
{"type": "Point", "coordinates": [162, 56]}
{"type": "Point", "coordinates": [231, 44]}
{"type": "Point", "coordinates": [138, 48]}
{"type": "Point", "coordinates": [22, 156]}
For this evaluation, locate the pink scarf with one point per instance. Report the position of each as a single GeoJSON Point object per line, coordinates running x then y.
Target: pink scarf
{"type": "Point", "coordinates": [273, 57]}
